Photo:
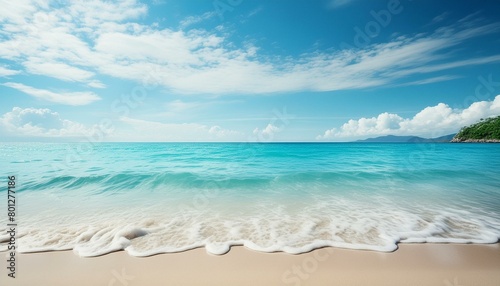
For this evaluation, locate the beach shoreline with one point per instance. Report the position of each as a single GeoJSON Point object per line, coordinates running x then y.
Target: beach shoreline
{"type": "Point", "coordinates": [412, 264]}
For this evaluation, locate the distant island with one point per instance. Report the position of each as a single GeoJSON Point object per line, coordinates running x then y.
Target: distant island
{"type": "Point", "coordinates": [407, 139]}
{"type": "Point", "coordinates": [486, 130]}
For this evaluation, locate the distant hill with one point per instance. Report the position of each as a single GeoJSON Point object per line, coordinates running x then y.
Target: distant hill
{"type": "Point", "coordinates": [407, 139]}
{"type": "Point", "coordinates": [486, 130]}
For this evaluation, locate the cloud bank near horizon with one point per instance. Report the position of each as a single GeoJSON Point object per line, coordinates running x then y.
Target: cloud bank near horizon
{"type": "Point", "coordinates": [432, 121]}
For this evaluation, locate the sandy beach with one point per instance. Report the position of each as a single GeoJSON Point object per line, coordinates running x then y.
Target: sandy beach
{"type": "Point", "coordinates": [411, 264]}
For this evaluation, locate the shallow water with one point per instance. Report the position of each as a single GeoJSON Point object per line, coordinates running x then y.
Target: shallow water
{"type": "Point", "coordinates": [150, 198]}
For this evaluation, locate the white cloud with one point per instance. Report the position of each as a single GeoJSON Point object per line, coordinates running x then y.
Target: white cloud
{"type": "Point", "coordinates": [58, 70]}
{"type": "Point", "coordinates": [59, 37]}
{"type": "Point", "coordinates": [96, 84]}
{"type": "Point", "coordinates": [339, 3]}
{"type": "Point", "coordinates": [177, 106]}
{"type": "Point", "coordinates": [45, 123]}
{"type": "Point", "coordinates": [94, 13]}
{"type": "Point", "coordinates": [7, 72]}
{"type": "Point", "coordinates": [67, 98]}
{"type": "Point", "coordinates": [441, 17]}
{"type": "Point", "coordinates": [268, 132]}
{"type": "Point", "coordinates": [33, 122]}
{"type": "Point", "coordinates": [150, 131]}
{"type": "Point", "coordinates": [82, 40]}
{"type": "Point", "coordinates": [450, 65]}
{"type": "Point", "coordinates": [191, 20]}
{"type": "Point", "coordinates": [224, 134]}
{"type": "Point", "coordinates": [433, 80]}
{"type": "Point", "coordinates": [18, 11]}
{"type": "Point", "coordinates": [432, 121]}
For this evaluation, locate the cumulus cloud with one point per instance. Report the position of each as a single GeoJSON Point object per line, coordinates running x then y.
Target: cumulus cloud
{"type": "Point", "coordinates": [82, 40]}
{"type": "Point", "coordinates": [225, 134]}
{"type": "Point", "coordinates": [267, 133]}
{"type": "Point", "coordinates": [432, 121]}
{"type": "Point", "coordinates": [33, 122]}
{"type": "Point", "coordinates": [45, 123]}
{"type": "Point", "coordinates": [67, 98]}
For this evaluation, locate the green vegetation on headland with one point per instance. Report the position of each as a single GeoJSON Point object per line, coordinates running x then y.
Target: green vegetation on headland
{"type": "Point", "coordinates": [486, 130]}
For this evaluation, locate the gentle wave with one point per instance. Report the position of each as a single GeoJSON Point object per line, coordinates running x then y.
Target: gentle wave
{"type": "Point", "coordinates": [155, 198]}
{"type": "Point", "coordinates": [123, 181]}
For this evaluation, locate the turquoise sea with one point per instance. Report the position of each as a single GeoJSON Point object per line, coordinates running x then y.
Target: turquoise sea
{"type": "Point", "coordinates": [149, 198]}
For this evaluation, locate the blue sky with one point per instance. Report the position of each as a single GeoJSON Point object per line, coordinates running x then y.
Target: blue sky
{"type": "Point", "coordinates": [241, 70]}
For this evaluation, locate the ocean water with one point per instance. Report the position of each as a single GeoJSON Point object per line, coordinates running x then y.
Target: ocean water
{"type": "Point", "coordinates": [149, 198]}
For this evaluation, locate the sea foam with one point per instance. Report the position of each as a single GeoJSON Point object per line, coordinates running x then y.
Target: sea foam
{"type": "Point", "coordinates": [268, 227]}
{"type": "Point", "coordinates": [159, 198]}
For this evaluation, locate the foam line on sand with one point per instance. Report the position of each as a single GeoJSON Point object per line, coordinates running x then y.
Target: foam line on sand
{"type": "Point", "coordinates": [411, 264]}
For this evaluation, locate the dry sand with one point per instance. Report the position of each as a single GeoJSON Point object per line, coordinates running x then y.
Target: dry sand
{"type": "Point", "coordinates": [410, 265]}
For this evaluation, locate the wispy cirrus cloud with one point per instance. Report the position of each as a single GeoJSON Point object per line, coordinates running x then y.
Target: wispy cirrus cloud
{"type": "Point", "coordinates": [107, 38]}
{"type": "Point", "coordinates": [441, 17]}
{"type": "Point", "coordinates": [334, 4]}
{"type": "Point", "coordinates": [5, 71]}
{"type": "Point", "coordinates": [432, 80]}
{"type": "Point", "coordinates": [60, 71]}
{"type": "Point", "coordinates": [191, 20]}
{"type": "Point", "coordinates": [182, 106]}
{"type": "Point", "coordinates": [66, 98]}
